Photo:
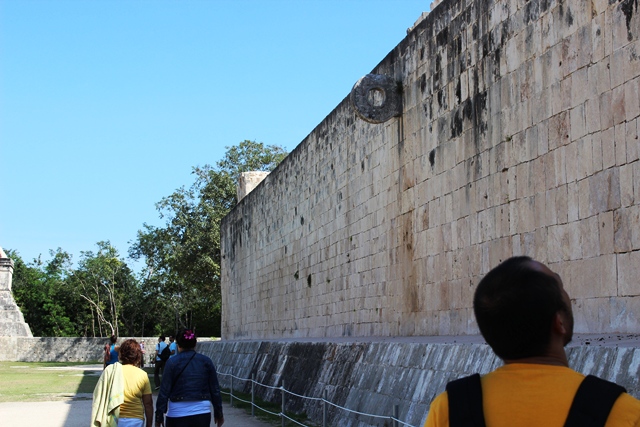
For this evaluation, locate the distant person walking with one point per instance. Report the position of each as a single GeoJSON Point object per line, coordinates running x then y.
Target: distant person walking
{"type": "Point", "coordinates": [143, 355]}
{"type": "Point", "coordinates": [159, 362]}
{"type": "Point", "coordinates": [111, 352]}
{"type": "Point", "coordinates": [173, 347]}
{"type": "Point", "coordinates": [189, 388]}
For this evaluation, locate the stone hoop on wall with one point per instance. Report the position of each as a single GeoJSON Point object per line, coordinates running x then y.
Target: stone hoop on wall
{"type": "Point", "coordinates": [376, 98]}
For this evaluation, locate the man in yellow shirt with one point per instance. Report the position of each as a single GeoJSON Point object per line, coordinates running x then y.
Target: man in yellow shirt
{"type": "Point", "coordinates": [524, 314]}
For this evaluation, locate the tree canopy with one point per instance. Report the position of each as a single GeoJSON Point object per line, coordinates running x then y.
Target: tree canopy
{"type": "Point", "coordinates": [183, 256]}
{"type": "Point", "coordinates": [58, 300]}
{"type": "Point", "coordinates": [179, 285]}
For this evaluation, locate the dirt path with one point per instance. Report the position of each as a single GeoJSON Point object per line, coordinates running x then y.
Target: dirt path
{"type": "Point", "coordinates": [77, 413]}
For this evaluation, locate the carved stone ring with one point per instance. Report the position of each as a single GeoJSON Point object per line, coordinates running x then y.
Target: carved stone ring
{"type": "Point", "coordinates": [376, 98]}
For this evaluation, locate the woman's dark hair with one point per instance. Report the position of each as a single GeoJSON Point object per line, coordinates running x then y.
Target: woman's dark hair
{"type": "Point", "coordinates": [186, 338]}
{"type": "Point", "coordinates": [515, 305]}
{"type": "Point", "coordinates": [113, 339]}
{"type": "Point", "coordinates": [130, 353]}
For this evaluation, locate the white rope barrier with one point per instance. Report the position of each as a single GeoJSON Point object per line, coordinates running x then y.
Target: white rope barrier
{"type": "Point", "coordinates": [401, 422]}
{"type": "Point", "coordinates": [281, 414]}
{"type": "Point", "coordinates": [294, 421]}
{"type": "Point", "coordinates": [356, 412]}
{"type": "Point", "coordinates": [303, 397]}
{"type": "Point", "coordinates": [269, 412]}
{"type": "Point", "coordinates": [268, 386]}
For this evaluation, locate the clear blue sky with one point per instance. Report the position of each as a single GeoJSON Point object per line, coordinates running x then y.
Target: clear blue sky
{"type": "Point", "coordinates": [105, 106]}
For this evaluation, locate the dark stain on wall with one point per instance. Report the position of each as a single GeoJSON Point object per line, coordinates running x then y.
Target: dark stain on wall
{"type": "Point", "coordinates": [531, 11]}
{"type": "Point", "coordinates": [442, 98]}
{"type": "Point", "coordinates": [456, 123]}
{"type": "Point", "coordinates": [442, 37]}
{"type": "Point", "coordinates": [407, 264]}
{"type": "Point", "coordinates": [567, 16]}
{"type": "Point", "coordinates": [436, 72]}
{"type": "Point", "coordinates": [627, 8]}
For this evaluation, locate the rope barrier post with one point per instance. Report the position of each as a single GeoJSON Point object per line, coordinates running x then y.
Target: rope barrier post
{"type": "Point", "coordinates": [231, 391]}
{"type": "Point", "coordinates": [282, 410]}
{"type": "Point", "coordinates": [253, 380]}
{"type": "Point", "coordinates": [396, 412]}
{"type": "Point", "coordinates": [324, 408]}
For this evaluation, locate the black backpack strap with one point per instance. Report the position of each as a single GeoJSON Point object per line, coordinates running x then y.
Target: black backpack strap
{"type": "Point", "coordinates": [465, 402]}
{"type": "Point", "coordinates": [593, 402]}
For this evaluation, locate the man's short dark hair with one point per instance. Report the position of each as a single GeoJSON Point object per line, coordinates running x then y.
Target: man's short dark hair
{"type": "Point", "coordinates": [515, 305]}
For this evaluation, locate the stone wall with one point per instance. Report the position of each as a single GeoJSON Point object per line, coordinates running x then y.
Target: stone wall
{"type": "Point", "coordinates": [247, 181]}
{"type": "Point", "coordinates": [11, 319]}
{"type": "Point", "coordinates": [60, 349]}
{"type": "Point", "coordinates": [372, 377]}
{"type": "Point", "coordinates": [518, 135]}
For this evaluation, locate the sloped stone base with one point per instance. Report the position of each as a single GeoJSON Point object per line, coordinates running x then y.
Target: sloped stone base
{"type": "Point", "coordinates": [12, 322]}
{"type": "Point", "coordinates": [372, 377]}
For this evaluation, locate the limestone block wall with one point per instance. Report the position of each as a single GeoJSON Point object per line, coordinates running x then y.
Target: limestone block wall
{"type": "Point", "coordinates": [372, 377]}
{"type": "Point", "coordinates": [518, 135]}
{"type": "Point", "coordinates": [61, 349]}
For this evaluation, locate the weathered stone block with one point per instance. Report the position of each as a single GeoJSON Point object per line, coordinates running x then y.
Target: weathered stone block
{"type": "Point", "coordinates": [608, 148]}
{"type": "Point", "coordinates": [632, 99]}
{"type": "Point", "coordinates": [592, 115]}
{"type": "Point", "coordinates": [625, 235]}
{"type": "Point", "coordinates": [626, 185]}
{"type": "Point", "coordinates": [633, 141]}
{"type": "Point", "coordinates": [606, 110]}
{"type": "Point", "coordinates": [628, 273]}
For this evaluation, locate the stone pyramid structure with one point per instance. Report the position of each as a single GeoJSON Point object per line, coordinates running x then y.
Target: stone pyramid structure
{"type": "Point", "coordinates": [12, 322]}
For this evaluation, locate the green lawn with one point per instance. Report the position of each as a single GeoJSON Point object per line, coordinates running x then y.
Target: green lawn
{"type": "Point", "coordinates": [23, 382]}
{"type": "Point", "coordinates": [46, 381]}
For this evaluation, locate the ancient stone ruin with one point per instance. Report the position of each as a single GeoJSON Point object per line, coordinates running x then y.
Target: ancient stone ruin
{"type": "Point", "coordinates": [248, 181]}
{"type": "Point", "coordinates": [12, 322]}
{"type": "Point", "coordinates": [517, 133]}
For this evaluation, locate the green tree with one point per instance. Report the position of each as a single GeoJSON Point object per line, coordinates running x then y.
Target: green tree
{"type": "Point", "coordinates": [104, 282]}
{"type": "Point", "coordinates": [42, 293]}
{"type": "Point", "coordinates": [100, 297]}
{"type": "Point", "coordinates": [183, 256]}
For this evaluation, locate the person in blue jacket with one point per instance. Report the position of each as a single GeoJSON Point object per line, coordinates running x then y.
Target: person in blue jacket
{"type": "Point", "coordinates": [189, 388]}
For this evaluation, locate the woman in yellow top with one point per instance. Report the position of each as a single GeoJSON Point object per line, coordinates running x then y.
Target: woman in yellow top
{"type": "Point", "coordinates": [138, 403]}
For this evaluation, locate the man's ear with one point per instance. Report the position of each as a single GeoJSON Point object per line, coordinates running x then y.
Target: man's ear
{"type": "Point", "coordinates": [559, 325]}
